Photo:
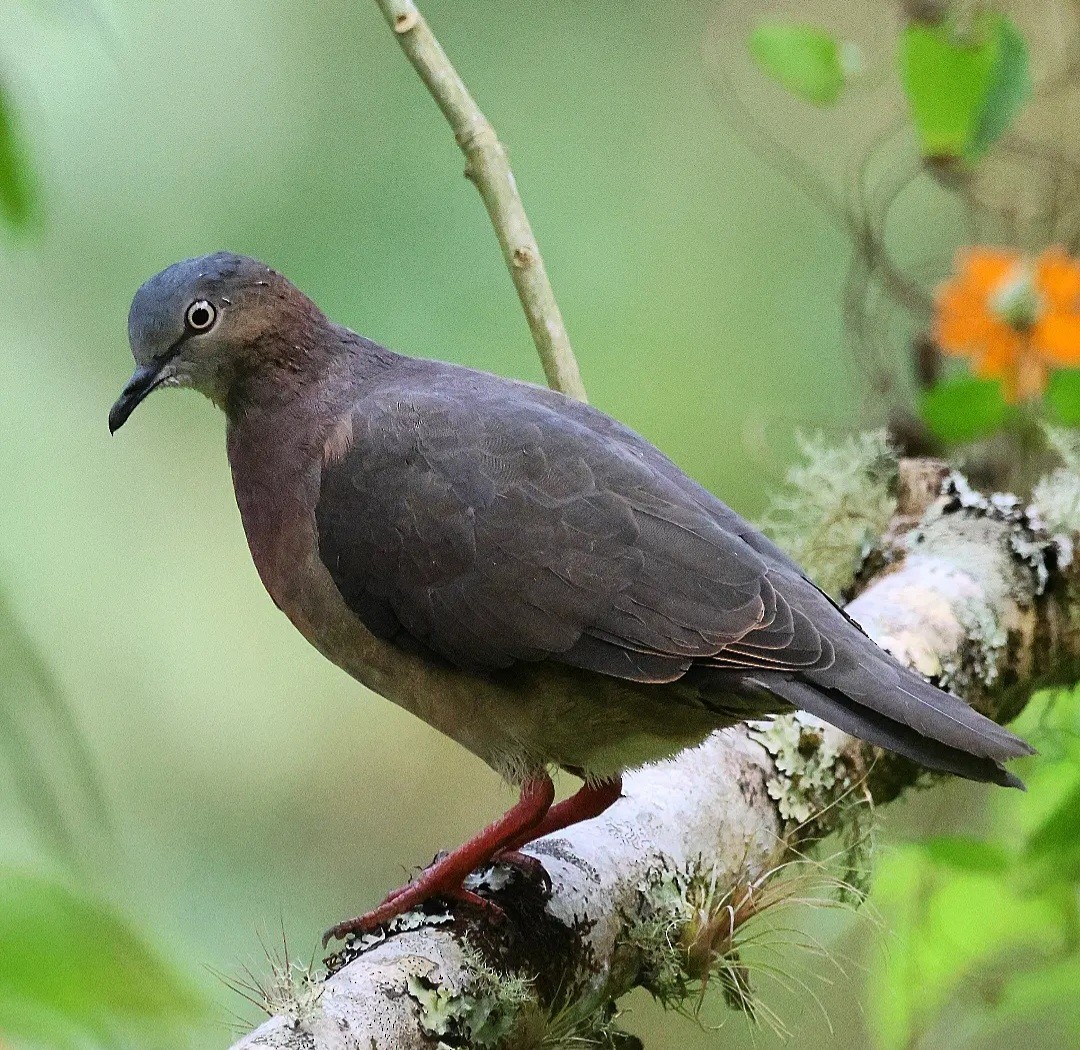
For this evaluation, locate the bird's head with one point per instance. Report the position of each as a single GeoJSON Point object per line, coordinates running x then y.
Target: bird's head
{"type": "Point", "coordinates": [214, 324]}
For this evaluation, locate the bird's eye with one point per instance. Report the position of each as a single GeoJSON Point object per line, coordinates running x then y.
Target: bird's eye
{"type": "Point", "coordinates": [200, 316]}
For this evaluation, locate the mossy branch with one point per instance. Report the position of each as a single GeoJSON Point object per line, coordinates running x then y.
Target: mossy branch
{"type": "Point", "coordinates": [489, 170]}
{"type": "Point", "coordinates": [968, 588]}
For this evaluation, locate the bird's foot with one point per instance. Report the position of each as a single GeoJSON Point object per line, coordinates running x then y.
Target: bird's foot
{"type": "Point", "coordinates": [429, 886]}
{"type": "Point", "coordinates": [445, 878]}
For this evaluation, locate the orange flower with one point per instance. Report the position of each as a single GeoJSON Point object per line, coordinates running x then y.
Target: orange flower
{"type": "Point", "coordinates": [1015, 318]}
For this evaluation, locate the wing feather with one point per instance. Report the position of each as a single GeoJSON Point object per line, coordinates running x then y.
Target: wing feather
{"type": "Point", "coordinates": [492, 531]}
{"type": "Point", "coordinates": [489, 522]}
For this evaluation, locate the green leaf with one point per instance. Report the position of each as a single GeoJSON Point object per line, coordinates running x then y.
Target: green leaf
{"type": "Point", "coordinates": [1010, 86]}
{"type": "Point", "coordinates": [961, 853]}
{"type": "Point", "coordinates": [1057, 838]}
{"type": "Point", "coordinates": [940, 928]}
{"type": "Point", "coordinates": [18, 195]}
{"type": "Point", "coordinates": [963, 408]}
{"type": "Point", "coordinates": [807, 61]}
{"type": "Point", "coordinates": [1063, 396]}
{"type": "Point", "coordinates": [948, 81]}
{"type": "Point", "coordinates": [72, 971]}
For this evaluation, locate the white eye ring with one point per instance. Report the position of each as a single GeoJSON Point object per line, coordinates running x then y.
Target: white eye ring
{"type": "Point", "coordinates": [200, 316]}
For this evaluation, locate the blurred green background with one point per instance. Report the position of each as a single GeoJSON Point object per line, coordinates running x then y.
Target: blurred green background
{"type": "Point", "coordinates": [250, 785]}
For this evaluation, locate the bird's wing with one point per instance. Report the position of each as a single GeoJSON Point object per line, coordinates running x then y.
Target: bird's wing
{"type": "Point", "coordinates": [491, 526]}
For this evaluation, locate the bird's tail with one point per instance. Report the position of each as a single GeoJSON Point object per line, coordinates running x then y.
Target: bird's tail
{"type": "Point", "coordinates": [882, 702]}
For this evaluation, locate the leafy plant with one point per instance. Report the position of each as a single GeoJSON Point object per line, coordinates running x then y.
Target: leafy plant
{"type": "Point", "coordinates": [72, 972]}
{"type": "Point", "coordinates": [959, 906]}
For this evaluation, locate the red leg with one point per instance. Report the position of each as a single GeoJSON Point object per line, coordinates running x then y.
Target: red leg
{"type": "Point", "coordinates": [590, 801]}
{"type": "Point", "coordinates": [445, 876]}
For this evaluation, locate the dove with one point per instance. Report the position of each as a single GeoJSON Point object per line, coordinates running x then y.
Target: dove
{"type": "Point", "coordinates": [518, 569]}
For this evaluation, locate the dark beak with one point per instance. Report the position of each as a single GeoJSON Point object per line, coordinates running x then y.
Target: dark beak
{"type": "Point", "coordinates": [143, 380]}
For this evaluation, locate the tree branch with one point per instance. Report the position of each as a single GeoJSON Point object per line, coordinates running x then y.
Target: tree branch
{"type": "Point", "coordinates": [968, 589]}
{"type": "Point", "coordinates": [488, 168]}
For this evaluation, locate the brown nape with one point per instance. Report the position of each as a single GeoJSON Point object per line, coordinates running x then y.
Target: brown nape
{"type": "Point", "coordinates": [284, 344]}
{"type": "Point", "coordinates": [295, 352]}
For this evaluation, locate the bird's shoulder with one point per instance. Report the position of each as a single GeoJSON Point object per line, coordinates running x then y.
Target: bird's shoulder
{"type": "Point", "coordinates": [441, 407]}
{"type": "Point", "coordinates": [493, 522]}
{"type": "Point", "coordinates": [445, 405]}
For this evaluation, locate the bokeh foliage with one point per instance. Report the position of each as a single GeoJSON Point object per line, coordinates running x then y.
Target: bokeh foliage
{"type": "Point", "coordinates": [708, 304]}
{"type": "Point", "coordinates": [73, 973]}
{"type": "Point", "coordinates": [985, 930]}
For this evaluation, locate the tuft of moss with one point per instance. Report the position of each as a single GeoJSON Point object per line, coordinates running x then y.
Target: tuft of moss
{"type": "Point", "coordinates": [573, 1027]}
{"type": "Point", "coordinates": [838, 502]}
{"type": "Point", "coordinates": [291, 990]}
{"type": "Point", "coordinates": [484, 1014]}
{"type": "Point", "coordinates": [1057, 496]}
{"type": "Point", "coordinates": [684, 936]}
{"type": "Point", "coordinates": [689, 932]}
{"type": "Point", "coordinates": [501, 1011]}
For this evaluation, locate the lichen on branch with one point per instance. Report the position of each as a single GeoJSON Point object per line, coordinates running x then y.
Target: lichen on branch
{"type": "Point", "coordinates": [835, 505]}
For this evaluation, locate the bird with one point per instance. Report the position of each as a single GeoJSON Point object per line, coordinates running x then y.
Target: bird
{"type": "Point", "coordinates": [518, 569]}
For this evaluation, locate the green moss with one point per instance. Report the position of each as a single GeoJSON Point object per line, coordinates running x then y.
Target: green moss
{"type": "Point", "coordinates": [689, 933]}
{"type": "Point", "coordinates": [682, 937]}
{"type": "Point", "coordinates": [838, 502]}
{"type": "Point", "coordinates": [498, 1011]}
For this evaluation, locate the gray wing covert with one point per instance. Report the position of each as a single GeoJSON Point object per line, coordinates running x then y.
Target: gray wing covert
{"type": "Point", "coordinates": [492, 530]}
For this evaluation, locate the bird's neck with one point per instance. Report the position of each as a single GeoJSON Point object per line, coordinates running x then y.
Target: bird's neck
{"type": "Point", "coordinates": [278, 427]}
{"type": "Point", "coordinates": [296, 364]}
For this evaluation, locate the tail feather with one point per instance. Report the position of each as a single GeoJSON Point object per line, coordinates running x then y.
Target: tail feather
{"type": "Point", "coordinates": [861, 689]}
{"type": "Point", "coordinates": [875, 728]}
{"type": "Point", "coordinates": [872, 679]}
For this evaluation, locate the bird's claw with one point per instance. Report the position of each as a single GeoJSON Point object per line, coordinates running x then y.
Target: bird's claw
{"type": "Point", "coordinates": [528, 865]}
{"type": "Point", "coordinates": [396, 904]}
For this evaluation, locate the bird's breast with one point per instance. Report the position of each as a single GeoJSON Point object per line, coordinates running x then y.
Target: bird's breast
{"type": "Point", "coordinates": [277, 488]}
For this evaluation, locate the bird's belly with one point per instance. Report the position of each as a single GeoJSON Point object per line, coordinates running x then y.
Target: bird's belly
{"type": "Point", "coordinates": [596, 725]}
